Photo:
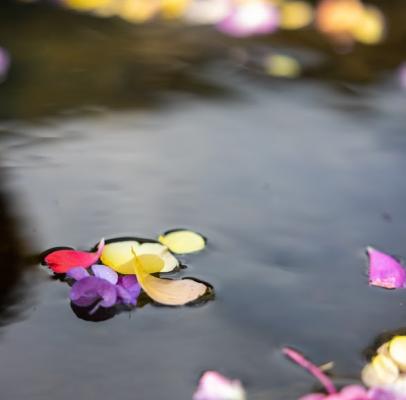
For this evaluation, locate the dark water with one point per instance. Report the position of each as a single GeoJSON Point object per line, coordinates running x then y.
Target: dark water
{"type": "Point", "coordinates": [289, 181]}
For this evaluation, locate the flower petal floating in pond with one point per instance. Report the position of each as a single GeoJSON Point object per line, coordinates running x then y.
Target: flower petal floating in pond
{"type": "Point", "coordinates": [173, 8]}
{"type": "Point", "coordinates": [282, 66]}
{"type": "Point", "coordinates": [106, 273]}
{"type": "Point", "coordinates": [397, 351]}
{"type": "Point", "coordinates": [88, 290]}
{"type": "Point", "coordinates": [78, 273]}
{"type": "Point", "coordinates": [183, 241]}
{"type": "Point", "coordinates": [380, 371]}
{"type": "Point", "coordinates": [62, 261]}
{"type": "Point", "coordinates": [86, 5]}
{"type": "Point", "coordinates": [253, 17]}
{"type": "Point", "coordinates": [385, 271]}
{"type": "Point", "coordinates": [166, 291]}
{"type": "Point", "coordinates": [119, 256]}
{"type": "Point", "coordinates": [128, 289]}
{"type": "Point", "coordinates": [214, 386]}
{"type": "Point", "coordinates": [296, 15]}
{"type": "Point", "coordinates": [137, 11]}
{"type": "Point", "coordinates": [204, 12]}
{"type": "Point", "coordinates": [370, 29]}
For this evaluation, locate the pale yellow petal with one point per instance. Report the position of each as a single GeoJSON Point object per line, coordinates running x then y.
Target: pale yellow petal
{"type": "Point", "coordinates": [87, 5]}
{"type": "Point", "coordinates": [173, 8]}
{"type": "Point", "coordinates": [296, 15]}
{"type": "Point", "coordinates": [165, 291]}
{"type": "Point", "coordinates": [170, 262]}
{"type": "Point", "coordinates": [118, 256]}
{"type": "Point", "coordinates": [380, 371]}
{"type": "Point", "coordinates": [282, 66]}
{"type": "Point", "coordinates": [371, 27]}
{"type": "Point", "coordinates": [397, 351]}
{"type": "Point", "coordinates": [183, 241]}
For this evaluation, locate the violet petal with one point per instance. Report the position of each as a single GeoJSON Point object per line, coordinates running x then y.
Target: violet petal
{"type": "Point", "coordinates": [78, 273]}
{"type": "Point", "coordinates": [103, 272]}
{"type": "Point", "coordinates": [385, 271]}
{"type": "Point", "coordinates": [128, 289]}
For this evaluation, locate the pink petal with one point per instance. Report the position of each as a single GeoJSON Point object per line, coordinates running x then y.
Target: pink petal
{"type": "Point", "coordinates": [385, 271]}
{"type": "Point", "coordinates": [62, 261]}
{"type": "Point", "coordinates": [313, 369]}
{"type": "Point", "coordinates": [354, 392]}
{"type": "Point", "coordinates": [214, 386]}
{"type": "Point", "coordinates": [314, 396]}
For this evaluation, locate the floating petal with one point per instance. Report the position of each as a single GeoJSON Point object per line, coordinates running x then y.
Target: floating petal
{"type": "Point", "coordinates": [166, 291]}
{"type": "Point", "coordinates": [385, 271]}
{"type": "Point", "coordinates": [250, 18]}
{"type": "Point", "coordinates": [370, 29]}
{"type": "Point", "coordinates": [118, 256]}
{"type": "Point", "coordinates": [380, 371]}
{"type": "Point", "coordinates": [204, 12]}
{"type": "Point", "coordinates": [214, 386]}
{"type": "Point", "coordinates": [170, 262]}
{"type": "Point", "coordinates": [103, 272]}
{"type": "Point", "coordinates": [78, 273]}
{"type": "Point", "coordinates": [88, 290]}
{"type": "Point", "coordinates": [183, 241]}
{"type": "Point", "coordinates": [62, 261]}
{"type": "Point", "coordinates": [296, 14]}
{"type": "Point", "coordinates": [397, 351]}
{"type": "Point", "coordinates": [282, 66]}
{"type": "Point", "coordinates": [128, 289]}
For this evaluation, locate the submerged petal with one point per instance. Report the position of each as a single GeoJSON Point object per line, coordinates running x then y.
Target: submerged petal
{"type": "Point", "coordinates": [103, 272]}
{"type": "Point", "coordinates": [214, 386]}
{"type": "Point", "coordinates": [385, 271]}
{"type": "Point", "coordinates": [62, 261]}
{"type": "Point", "coordinates": [183, 241]}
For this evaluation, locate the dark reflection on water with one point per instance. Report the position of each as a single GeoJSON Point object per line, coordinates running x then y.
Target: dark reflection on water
{"type": "Point", "coordinates": [289, 184]}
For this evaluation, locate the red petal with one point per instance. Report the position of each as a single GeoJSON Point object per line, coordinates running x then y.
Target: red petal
{"type": "Point", "coordinates": [62, 261]}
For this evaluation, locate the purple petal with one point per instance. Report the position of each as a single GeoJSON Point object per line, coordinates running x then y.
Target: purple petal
{"type": "Point", "coordinates": [385, 271]}
{"type": "Point", "coordinates": [251, 18]}
{"type": "Point", "coordinates": [384, 394]}
{"type": "Point", "coordinates": [128, 289]}
{"type": "Point", "coordinates": [78, 273]}
{"type": "Point", "coordinates": [103, 272]}
{"type": "Point", "coordinates": [88, 290]}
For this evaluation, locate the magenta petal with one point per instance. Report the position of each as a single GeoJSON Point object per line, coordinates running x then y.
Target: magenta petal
{"type": "Point", "coordinates": [354, 392]}
{"type": "Point", "coordinates": [103, 272]}
{"type": "Point", "coordinates": [252, 18]}
{"type": "Point", "coordinates": [385, 271]}
{"type": "Point", "coordinates": [78, 273]}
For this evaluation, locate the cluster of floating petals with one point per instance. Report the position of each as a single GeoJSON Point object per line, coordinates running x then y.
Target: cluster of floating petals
{"type": "Point", "coordinates": [126, 269]}
{"type": "Point", "coordinates": [214, 386]}
{"type": "Point", "coordinates": [387, 368]}
{"type": "Point", "coordinates": [351, 392]}
{"type": "Point", "coordinates": [385, 271]}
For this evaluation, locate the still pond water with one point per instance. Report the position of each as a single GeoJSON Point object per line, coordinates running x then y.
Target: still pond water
{"type": "Point", "coordinates": [288, 180]}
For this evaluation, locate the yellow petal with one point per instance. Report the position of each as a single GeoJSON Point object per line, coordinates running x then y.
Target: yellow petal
{"type": "Point", "coordinates": [183, 241]}
{"type": "Point", "coordinates": [381, 371]}
{"type": "Point", "coordinates": [87, 5]}
{"type": "Point", "coordinates": [137, 10]}
{"type": "Point", "coordinates": [118, 256]}
{"type": "Point", "coordinates": [173, 8]}
{"type": "Point", "coordinates": [282, 66]}
{"type": "Point", "coordinates": [166, 291]}
{"type": "Point", "coordinates": [371, 27]}
{"type": "Point", "coordinates": [170, 262]}
{"type": "Point", "coordinates": [296, 14]}
{"type": "Point", "coordinates": [397, 351]}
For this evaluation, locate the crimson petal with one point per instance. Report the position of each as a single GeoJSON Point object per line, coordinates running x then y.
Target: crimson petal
{"type": "Point", "coordinates": [61, 261]}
